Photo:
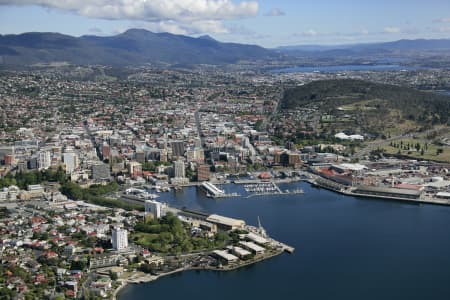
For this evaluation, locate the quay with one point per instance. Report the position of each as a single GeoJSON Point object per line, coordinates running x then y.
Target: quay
{"type": "Point", "coordinates": [255, 181]}
{"type": "Point", "coordinates": [379, 193]}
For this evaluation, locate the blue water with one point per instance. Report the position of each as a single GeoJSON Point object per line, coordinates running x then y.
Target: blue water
{"type": "Point", "coordinates": [346, 248]}
{"type": "Point", "coordinates": [344, 68]}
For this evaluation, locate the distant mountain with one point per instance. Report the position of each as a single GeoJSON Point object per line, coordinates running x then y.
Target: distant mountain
{"type": "Point", "coordinates": [133, 47]}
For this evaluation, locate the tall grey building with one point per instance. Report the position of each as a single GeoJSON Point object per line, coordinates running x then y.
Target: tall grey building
{"type": "Point", "coordinates": [178, 168]}
{"type": "Point", "coordinates": [101, 172]}
{"type": "Point", "coordinates": [177, 148]}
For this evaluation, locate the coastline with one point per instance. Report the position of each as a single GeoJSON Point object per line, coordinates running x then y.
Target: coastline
{"type": "Point", "coordinates": [335, 187]}
{"type": "Point", "coordinates": [149, 278]}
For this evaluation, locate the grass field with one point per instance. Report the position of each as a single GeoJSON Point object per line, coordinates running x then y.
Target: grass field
{"type": "Point", "coordinates": [429, 152]}
{"type": "Point", "coordinates": [144, 238]}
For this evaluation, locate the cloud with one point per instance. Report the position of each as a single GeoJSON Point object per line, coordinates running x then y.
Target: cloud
{"type": "Point", "coordinates": [364, 32]}
{"type": "Point", "coordinates": [150, 10]}
{"type": "Point", "coordinates": [239, 30]}
{"type": "Point", "coordinates": [275, 12]}
{"type": "Point", "coordinates": [314, 33]}
{"type": "Point", "coordinates": [174, 27]}
{"type": "Point", "coordinates": [445, 29]}
{"type": "Point", "coordinates": [95, 30]}
{"type": "Point", "coordinates": [174, 16]}
{"type": "Point", "coordinates": [391, 30]}
{"type": "Point", "coordinates": [442, 20]}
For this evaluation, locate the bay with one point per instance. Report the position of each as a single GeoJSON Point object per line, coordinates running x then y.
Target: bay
{"type": "Point", "coordinates": [346, 248]}
{"type": "Point", "coordinates": [344, 68]}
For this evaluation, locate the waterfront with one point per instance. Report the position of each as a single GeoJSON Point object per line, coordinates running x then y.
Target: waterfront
{"type": "Point", "coordinates": [346, 247]}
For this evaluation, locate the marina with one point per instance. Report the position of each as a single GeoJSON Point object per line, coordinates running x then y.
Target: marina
{"type": "Point", "coordinates": [267, 189]}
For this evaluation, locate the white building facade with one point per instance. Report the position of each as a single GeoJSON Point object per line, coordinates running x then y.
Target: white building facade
{"type": "Point", "coordinates": [119, 239]}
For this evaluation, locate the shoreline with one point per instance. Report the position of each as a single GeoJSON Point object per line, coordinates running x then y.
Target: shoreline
{"type": "Point", "coordinates": [343, 191]}
{"type": "Point", "coordinates": [146, 278]}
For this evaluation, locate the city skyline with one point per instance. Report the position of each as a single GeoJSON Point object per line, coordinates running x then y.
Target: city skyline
{"type": "Point", "coordinates": [267, 23]}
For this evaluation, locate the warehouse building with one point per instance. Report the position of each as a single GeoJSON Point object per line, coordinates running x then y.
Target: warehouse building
{"type": "Point", "coordinates": [388, 192]}
{"type": "Point", "coordinates": [225, 257]}
{"type": "Point", "coordinates": [225, 223]}
{"type": "Point", "coordinates": [252, 247]}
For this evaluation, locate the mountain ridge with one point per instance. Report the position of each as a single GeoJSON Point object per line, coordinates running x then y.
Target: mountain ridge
{"type": "Point", "coordinates": [132, 47]}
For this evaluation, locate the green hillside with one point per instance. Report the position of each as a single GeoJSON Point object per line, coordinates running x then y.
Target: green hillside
{"type": "Point", "coordinates": [366, 107]}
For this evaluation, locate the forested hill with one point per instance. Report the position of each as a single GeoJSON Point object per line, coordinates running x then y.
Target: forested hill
{"type": "Point", "coordinates": [414, 105]}
{"type": "Point", "coordinates": [133, 47]}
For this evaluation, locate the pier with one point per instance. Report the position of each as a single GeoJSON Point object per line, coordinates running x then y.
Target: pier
{"type": "Point", "coordinates": [214, 192]}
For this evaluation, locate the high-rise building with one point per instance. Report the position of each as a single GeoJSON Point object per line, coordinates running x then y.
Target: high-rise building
{"type": "Point", "coordinates": [154, 208]}
{"type": "Point", "coordinates": [9, 159]}
{"type": "Point", "coordinates": [106, 151]}
{"type": "Point", "coordinates": [32, 163]}
{"type": "Point", "coordinates": [71, 161]}
{"type": "Point", "coordinates": [294, 159]}
{"type": "Point", "coordinates": [198, 143]}
{"type": "Point", "coordinates": [119, 239]}
{"type": "Point", "coordinates": [203, 172]}
{"type": "Point", "coordinates": [177, 148]}
{"type": "Point", "coordinates": [163, 155]}
{"type": "Point", "coordinates": [44, 160]}
{"type": "Point", "coordinates": [101, 171]}
{"type": "Point", "coordinates": [135, 169]}
{"type": "Point", "coordinates": [140, 156]}
{"type": "Point", "coordinates": [178, 168]}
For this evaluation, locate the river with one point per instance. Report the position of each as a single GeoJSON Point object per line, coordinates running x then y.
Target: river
{"type": "Point", "coordinates": [346, 248]}
{"type": "Point", "coordinates": [344, 68]}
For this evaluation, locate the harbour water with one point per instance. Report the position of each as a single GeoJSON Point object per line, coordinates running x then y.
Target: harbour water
{"type": "Point", "coordinates": [346, 248]}
{"type": "Point", "coordinates": [344, 68]}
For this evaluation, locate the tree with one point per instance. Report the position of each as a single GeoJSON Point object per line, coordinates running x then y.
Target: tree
{"type": "Point", "coordinates": [113, 275]}
{"type": "Point", "coordinates": [78, 265]}
{"type": "Point", "coordinates": [72, 190]}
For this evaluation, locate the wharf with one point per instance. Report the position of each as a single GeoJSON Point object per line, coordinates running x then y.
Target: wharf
{"type": "Point", "coordinates": [294, 192]}
{"type": "Point", "coordinates": [254, 181]}
{"type": "Point", "coordinates": [335, 187]}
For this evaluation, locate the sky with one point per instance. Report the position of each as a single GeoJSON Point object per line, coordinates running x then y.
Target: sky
{"type": "Point", "coordinates": [269, 23]}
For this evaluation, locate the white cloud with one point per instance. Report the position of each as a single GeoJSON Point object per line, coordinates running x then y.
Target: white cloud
{"type": "Point", "coordinates": [445, 29]}
{"type": "Point", "coordinates": [240, 30]}
{"type": "Point", "coordinates": [174, 16]}
{"type": "Point", "coordinates": [95, 30]}
{"type": "Point", "coordinates": [442, 20]}
{"type": "Point", "coordinates": [314, 33]}
{"type": "Point", "coordinates": [275, 12]}
{"type": "Point", "coordinates": [391, 30]}
{"type": "Point", "coordinates": [196, 27]}
{"type": "Point", "coordinates": [150, 10]}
